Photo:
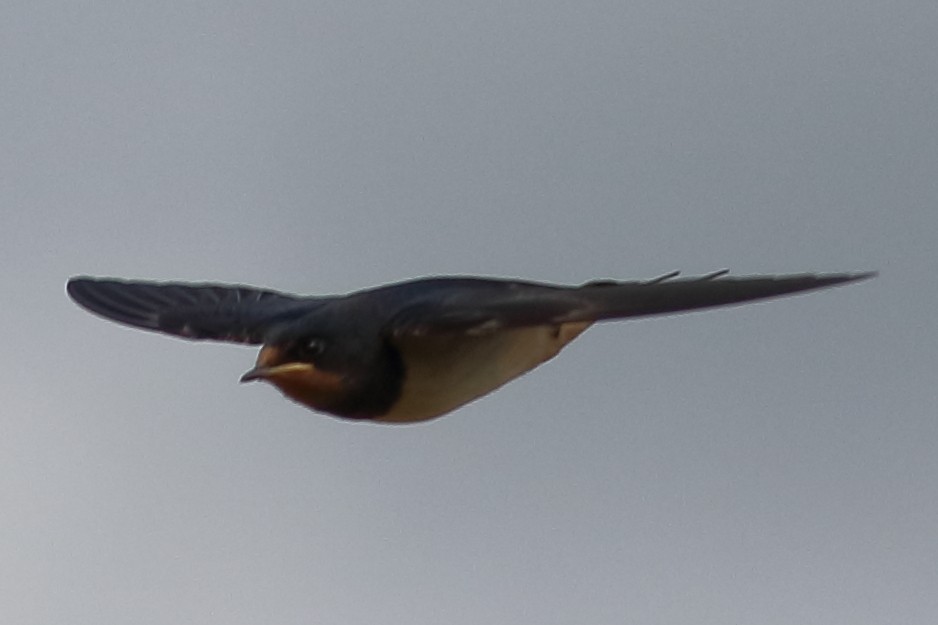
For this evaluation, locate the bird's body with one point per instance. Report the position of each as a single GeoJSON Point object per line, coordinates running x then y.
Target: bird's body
{"type": "Point", "coordinates": [448, 371]}
{"type": "Point", "coordinates": [414, 350]}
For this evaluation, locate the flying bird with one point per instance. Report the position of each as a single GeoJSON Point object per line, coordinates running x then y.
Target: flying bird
{"type": "Point", "coordinates": [414, 350]}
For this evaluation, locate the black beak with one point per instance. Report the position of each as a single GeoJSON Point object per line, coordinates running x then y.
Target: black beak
{"type": "Point", "coordinates": [257, 373]}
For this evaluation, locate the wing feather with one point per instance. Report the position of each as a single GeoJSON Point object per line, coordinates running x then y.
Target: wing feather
{"type": "Point", "coordinates": [219, 312]}
{"type": "Point", "coordinates": [492, 304]}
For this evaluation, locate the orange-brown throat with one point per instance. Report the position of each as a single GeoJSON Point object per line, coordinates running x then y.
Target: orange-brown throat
{"type": "Point", "coordinates": [299, 380]}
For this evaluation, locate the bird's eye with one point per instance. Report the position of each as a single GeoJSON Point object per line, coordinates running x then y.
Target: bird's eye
{"type": "Point", "coordinates": [309, 348]}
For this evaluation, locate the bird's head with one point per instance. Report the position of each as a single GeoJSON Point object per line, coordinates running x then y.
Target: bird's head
{"type": "Point", "coordinates": [297, 370]}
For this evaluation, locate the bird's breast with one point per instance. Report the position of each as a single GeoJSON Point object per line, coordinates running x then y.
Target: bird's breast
{"type": "Point", "coordinates": [444, 372]}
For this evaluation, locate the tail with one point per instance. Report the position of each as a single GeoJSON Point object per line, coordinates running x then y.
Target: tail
{"type": "Point", "coordinates": [216, 312]}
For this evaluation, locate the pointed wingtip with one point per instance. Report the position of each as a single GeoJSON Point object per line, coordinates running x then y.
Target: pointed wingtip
{"type": "Point", "coordinates": [862, 275]}
{"type": "Point", "coordinates": [824, 280]}
{"type": "Point", "coordinates": [75, 288]}
{"type": "Point", "coordinates": [73, 283]}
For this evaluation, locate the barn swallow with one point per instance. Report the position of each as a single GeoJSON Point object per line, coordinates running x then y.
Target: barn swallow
{"type": "Point", "coordinates": [414, 350]}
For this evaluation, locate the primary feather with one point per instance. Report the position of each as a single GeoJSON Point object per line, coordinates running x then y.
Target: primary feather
{"type": "Point", "coordinates": [217, 312]}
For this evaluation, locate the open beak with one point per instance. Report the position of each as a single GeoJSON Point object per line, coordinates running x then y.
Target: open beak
{"type": "Point", "coordinates": [262, 372]}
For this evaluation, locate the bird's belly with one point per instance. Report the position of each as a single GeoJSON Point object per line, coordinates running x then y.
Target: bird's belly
{"type": "Point", "coordinates": [445, 372]}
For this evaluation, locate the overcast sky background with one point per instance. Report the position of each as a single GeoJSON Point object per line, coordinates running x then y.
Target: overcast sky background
{"type": "Point", "coordinates": [774, 463]}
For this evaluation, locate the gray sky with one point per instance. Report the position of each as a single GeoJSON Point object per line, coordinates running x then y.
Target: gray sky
{"type": "Point", "coordinates": [771, 464]}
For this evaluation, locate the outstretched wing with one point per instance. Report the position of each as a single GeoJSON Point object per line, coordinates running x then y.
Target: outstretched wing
{"type": "Point", "coordinates": [237, 314]}
{"type": "Point", "coordinates": [488, 305]}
